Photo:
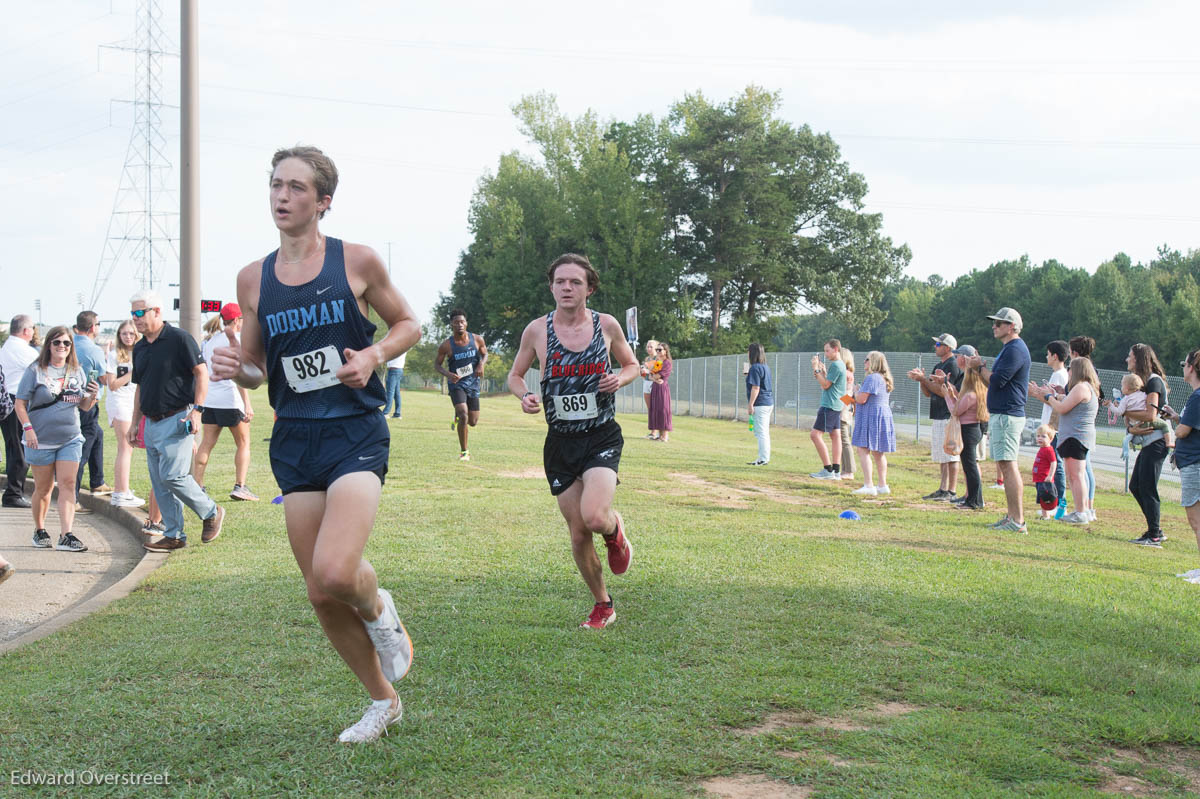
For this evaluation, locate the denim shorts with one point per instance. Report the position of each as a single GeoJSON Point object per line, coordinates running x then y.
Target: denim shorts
{"type": "Point", "coordinates": [71, 451]}
{"type": "Point", "coordinates": [1189, 483]}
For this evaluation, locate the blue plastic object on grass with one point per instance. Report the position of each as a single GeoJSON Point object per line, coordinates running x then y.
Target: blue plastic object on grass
{"type": "Point", "coordinates": [851, 515]}
{"type": "Point", "coordinates": [278, 500]}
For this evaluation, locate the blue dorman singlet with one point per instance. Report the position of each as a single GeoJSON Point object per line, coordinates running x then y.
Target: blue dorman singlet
{"type": "Point", "coordinates": [464, 357]}
{"type": "Point", "coordinates": [304, 329]}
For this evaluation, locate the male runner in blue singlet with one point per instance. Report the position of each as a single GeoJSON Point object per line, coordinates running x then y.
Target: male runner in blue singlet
{"type": "Point", "coordinates": [306, 332]}
{"type": "Point", "coordinates": [467, 354]}
{"type": "Point", "coordinates": [583, 445]}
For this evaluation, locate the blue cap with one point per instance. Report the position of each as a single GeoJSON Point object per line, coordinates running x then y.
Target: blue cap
{"type": "Point", "coordinates": [851, 515]}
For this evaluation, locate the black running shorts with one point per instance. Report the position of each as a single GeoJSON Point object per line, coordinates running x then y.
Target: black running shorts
{"type": "Point", "coordinates": [458, 396]}
{"type": "Point", "coordinates": [222, 417]}
{"type": "Point", "coordinates": [567, 456]}
{"type": "Point", "coordinates": [309, 454]}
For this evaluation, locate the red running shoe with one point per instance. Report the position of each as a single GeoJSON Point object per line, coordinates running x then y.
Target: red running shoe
{"type": "Point", "coordinates": [620, 551]}
{"type": "Point", "coordinates": [601, 616]}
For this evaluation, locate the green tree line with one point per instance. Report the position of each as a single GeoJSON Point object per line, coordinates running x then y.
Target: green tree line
{"type": "Point", "coordinates": [711, 220]}
{"type": "Point", "coordinates": [1120, 304]}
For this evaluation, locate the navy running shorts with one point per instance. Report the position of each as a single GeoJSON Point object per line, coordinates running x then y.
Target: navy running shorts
{"type": "Point", "coordinates": [827, 420]}
{"type": "Point", "coordinates": [309, 454]}
{"type": "Point", "coordinates": [567, 456]}
{"type": "Point", "coordinates": [458, 396]}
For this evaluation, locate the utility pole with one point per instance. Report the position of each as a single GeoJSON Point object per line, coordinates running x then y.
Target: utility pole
{"type": "Point", "coordinates": [189, 216]}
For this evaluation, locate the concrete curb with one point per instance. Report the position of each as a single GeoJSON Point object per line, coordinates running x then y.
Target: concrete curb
{"type": "Point", "coordinates": [127, 520]}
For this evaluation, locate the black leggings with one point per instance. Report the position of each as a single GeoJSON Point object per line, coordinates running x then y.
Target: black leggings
{"type": "Point", "coordinates": [971, 435]}
{"type": "Point", "coordinates": [1143, 482]}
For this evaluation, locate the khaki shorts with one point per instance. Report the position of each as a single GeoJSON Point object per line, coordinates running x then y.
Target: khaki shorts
{"type": "Point", "coordinates": [1005, 433]}
{"type": "Point", "coordinates": [937, 443]}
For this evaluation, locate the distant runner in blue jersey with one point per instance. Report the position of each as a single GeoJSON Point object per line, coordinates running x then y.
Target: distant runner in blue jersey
{"type": "Point", "coordinates": [465, 355]}
{"type": "Point", "coordinates": [584, 442]}
{"type": "Point", "coordinates": [306, 332]}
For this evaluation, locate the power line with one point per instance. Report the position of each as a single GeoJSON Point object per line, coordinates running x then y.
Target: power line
{"type": "Point", "coordinates": [849, 63]}
{"type": "Point", "coordinates": [1098, 143]}
{"type": "Point", "coordinates": [1047, 212]}
{"type": "Point", "coordinates": [366, 103]}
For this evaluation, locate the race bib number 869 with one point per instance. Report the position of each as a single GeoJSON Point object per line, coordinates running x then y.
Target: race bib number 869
{"type": "Point", "coordinates": [310, 371]}
{"type": "Point", "coordinates": [571, 407]}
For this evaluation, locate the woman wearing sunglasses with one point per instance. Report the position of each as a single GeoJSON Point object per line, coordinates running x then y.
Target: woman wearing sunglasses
{"type": "Point", "coordinates": [52, 392]}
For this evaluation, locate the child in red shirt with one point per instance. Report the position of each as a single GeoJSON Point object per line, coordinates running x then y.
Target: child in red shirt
{"type": "Point", "coordinates": [1043, 472]}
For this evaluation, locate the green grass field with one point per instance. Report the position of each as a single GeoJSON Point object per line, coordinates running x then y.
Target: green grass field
{"type": "Point", "coordinates": [913, 653]}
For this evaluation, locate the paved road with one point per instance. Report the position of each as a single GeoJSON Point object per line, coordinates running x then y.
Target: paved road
{"type": "Point", "coordinates": [52, 588]}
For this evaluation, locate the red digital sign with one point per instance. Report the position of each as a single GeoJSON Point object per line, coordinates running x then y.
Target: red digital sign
{"type": "Point", "coordinates": [210, 306]}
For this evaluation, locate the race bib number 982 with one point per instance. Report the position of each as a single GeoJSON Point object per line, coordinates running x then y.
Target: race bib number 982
{"type": "Point", "coordinates": [310, 371]}
{"type": "Point", "coordinates": [571, 407]}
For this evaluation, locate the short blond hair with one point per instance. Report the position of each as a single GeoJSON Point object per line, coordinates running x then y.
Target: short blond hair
{"type": "Point", "coordinates": [1046, 429]}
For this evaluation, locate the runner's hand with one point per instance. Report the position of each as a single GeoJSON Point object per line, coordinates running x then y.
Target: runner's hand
{"type": "Point", "coordinates": [227, 361]}
{"type": "Point", "coordinates": [531, 403]}
{"type": "Point", "coordinates": [609, 383]}
{"type": "Point", "coordinates": [453, 378]}
{"type": "Point", "coordinates": [358, 368]}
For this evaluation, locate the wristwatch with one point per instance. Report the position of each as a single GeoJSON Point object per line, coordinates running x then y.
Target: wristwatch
{"type": "Point", "coordinates": [199, 408]}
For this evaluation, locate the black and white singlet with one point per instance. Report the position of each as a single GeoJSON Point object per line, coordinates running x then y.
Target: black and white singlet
{"type": "Point", "coordinates": [569, 379]}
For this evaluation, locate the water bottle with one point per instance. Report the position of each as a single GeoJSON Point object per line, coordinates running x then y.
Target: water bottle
{"type": "Point", "coordinates": [752, 421]}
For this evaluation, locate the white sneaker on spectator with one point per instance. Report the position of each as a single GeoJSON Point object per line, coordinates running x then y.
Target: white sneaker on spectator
{"type": "Point", "coordinates": [998, 485]}
{"type": "Point", "coordinates": [881, 490]}
{"type": "Point", "coordinates": [126, 499]}
{"type": "Point", "coordinates": [868, 491]}
{"type": "Point", "coordinates": [1077, 517]}
{"type": "Point", "coordinates": [1189, 575]}
{"type": "Point", "coordinates": [374, 723]}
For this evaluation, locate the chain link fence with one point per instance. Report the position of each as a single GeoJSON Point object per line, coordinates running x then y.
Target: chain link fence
{"type": "Point", "coordinates": [715, 387]}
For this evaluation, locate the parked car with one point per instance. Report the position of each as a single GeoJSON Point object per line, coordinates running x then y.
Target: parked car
{"type": "Point", "coordinates": [1029, 431]}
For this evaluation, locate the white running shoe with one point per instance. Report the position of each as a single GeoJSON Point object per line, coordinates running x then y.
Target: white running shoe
{"type": "Point", "coordinates": [374, 723]}
{"type": "Point", "coordinates": [391, 640]}
{"type": "Point", "coordinates": [881, 490]}
{"type": "Point", "coordinates": [1189, 575]}
{"type": "Point", "coordinates": [867, 491]}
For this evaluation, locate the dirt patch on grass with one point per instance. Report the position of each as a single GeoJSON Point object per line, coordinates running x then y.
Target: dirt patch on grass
{"type": "Point", "coordinates": [740, 496]}
{"type": "Point", "coordinates": [857, 721]}
{"type": "Point", "coordinates": [754, 786]}
{"type": "Point", "coordinates": [1180, 761]}
{"type": "Point", "coordinates": [1122, 785]}
{"type": "Point", "coordinates": [532, 473]}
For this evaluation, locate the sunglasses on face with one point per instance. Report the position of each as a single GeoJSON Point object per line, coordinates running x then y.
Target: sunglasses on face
{"type": "Point", "coordinates": [141, 313]}
{"type": "Point", "coordinates": [61, 342]}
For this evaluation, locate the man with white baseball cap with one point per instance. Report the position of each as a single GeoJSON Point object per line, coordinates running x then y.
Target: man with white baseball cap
{"type": "Point", "coordinates": [932, 386]}
{"type": "Point", "coordinates": [1007, 381]}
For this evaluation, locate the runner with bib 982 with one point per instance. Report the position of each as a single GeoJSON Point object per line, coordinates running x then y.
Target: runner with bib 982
{"type": "Point", "coordinates": [583, 443]}
{"type": "Point", "coordinates": [306, 332]}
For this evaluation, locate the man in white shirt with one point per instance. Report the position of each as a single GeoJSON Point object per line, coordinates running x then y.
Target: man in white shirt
{"type": "Point", "coordinates": [391, 389]}
{"type": "Point", "coordinates": [15, 357]}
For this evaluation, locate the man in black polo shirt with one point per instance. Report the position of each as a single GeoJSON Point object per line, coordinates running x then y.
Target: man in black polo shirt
{"type": "Point", "coordinates": [172, 382]}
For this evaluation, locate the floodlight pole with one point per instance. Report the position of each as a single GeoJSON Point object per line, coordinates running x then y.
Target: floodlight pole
{"type": "Point", "coordinates": [189, 239]}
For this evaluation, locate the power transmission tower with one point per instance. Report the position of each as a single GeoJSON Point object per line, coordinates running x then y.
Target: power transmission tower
{"type": "Point", "coordinates": [143, 231]}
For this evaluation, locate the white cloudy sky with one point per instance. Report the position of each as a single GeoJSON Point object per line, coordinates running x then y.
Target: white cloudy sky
{"type": "Point", "coordinates": [986, 130]}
